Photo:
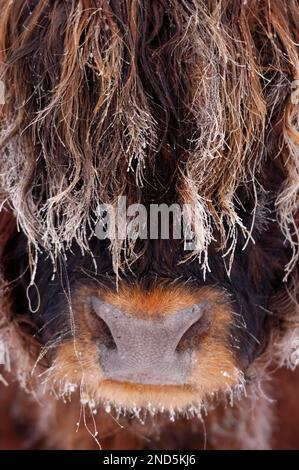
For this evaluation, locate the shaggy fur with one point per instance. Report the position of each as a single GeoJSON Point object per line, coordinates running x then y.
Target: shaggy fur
{"type": "Point", "coordinates": [160, 101]}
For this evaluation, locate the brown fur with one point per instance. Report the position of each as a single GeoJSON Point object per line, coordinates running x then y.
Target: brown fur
{"type": "Point", "coordinates": [164, 101]}
{"type": "Point", "coordinates": [215, 55]}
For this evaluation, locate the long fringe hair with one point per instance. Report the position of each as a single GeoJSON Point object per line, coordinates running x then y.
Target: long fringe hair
{"type": "Point", "coordinates": [100, 94]}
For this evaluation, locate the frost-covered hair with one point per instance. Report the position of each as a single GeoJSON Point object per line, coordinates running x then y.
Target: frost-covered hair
{"type": "Point", "coordinates": [163, 101]}
{"type": "Point", "coordinates": [100, 93]}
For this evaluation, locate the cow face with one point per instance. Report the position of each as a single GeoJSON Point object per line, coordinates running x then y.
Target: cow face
{"type": "Point", "coordinates": [188, 105]}
{"type": "Point", "coordinates": [161, 336]}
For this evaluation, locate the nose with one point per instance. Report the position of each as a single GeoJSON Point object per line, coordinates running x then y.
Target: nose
{"type": "Point", "coordinates": [149, 351]}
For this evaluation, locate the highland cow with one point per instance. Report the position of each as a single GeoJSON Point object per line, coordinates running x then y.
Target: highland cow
{"type": "Point", "coordinates": [131, 342]}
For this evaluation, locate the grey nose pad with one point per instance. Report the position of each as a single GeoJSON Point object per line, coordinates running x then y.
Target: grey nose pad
{"type": "Point", "coordinates": [146, 349]}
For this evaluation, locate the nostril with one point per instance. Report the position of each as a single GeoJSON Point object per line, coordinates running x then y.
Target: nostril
{"type": "Point", "coordinates": [101, 331]}
{"type": "Point", "coordinates": [191, 339]}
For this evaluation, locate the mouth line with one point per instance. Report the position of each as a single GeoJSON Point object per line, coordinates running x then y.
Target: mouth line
{"type": "Point", "coordinates": [145, 385]}
{"type": "Point", "coordinates": [131, 396]}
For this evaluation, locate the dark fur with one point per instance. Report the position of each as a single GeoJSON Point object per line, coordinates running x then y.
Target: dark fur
{"type": "Point", "coordinates": [61, 147]}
